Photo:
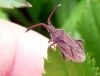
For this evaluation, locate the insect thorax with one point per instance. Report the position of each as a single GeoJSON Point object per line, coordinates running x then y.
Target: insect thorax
{"type": "Point", "coordinates": [50, 29]}
{"type": "Point", "coordinates": [55, 33]}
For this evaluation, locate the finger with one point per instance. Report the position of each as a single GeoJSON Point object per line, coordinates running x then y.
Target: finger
{"type": "Point", "coordinates": [21, 54]}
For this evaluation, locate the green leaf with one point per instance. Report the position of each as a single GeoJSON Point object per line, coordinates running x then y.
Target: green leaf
{"type": "Point", "coordinates": [14, 3]}
{"type": "Point", "coordinates": [55, 65]}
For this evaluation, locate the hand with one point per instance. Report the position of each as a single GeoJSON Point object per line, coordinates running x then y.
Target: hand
{"type": "Point", "coordinates": [21, 54]}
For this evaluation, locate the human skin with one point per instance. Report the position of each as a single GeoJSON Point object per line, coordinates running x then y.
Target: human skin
{"type": "Point", "coordinates": [21, 54]}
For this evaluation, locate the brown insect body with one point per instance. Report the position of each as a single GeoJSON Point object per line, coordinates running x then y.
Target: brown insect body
{"type": "Point", "coordinates": [70, 47]}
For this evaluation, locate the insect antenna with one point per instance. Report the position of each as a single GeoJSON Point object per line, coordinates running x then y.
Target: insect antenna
{"type": "Point", "coordinates": [40, 24]}
{"type": "Point", "coordinates": [49, 22]}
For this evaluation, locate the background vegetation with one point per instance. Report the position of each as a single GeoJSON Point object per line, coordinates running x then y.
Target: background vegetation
{"type": "Point", "coordinates": [81, 17]}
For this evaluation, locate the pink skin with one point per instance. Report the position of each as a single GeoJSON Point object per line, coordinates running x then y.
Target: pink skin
{"type": "Point", "coordinates": [21, 54]}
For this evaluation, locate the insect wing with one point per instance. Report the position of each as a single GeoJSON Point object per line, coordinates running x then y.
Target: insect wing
{"type": "Point", "coordinates": [65, 49]}
{"type": "Point", "coordinates": [71, 48]}
{"type": "Point", "coordinates": [78, 54]}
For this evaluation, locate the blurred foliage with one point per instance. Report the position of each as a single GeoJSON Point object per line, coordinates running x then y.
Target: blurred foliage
{"type": "Point", "coordinates": [81, 17]}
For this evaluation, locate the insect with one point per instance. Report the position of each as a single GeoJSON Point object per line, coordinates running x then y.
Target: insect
{"type": "Point", "coordinates": [70, 48]}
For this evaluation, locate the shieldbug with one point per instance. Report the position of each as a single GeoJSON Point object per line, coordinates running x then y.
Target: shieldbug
{"type": "Point", "coordinates": [70, 47]}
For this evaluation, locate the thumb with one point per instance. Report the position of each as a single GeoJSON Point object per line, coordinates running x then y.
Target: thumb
{"type": "Point", "coordinates": [21, 54]}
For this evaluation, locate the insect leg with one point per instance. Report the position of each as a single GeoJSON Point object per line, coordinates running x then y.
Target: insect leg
{"type": "Point", "coordinates": [40, 24]}
{"type": "Point", "coordinates": [82, 42]}
{"type": "Point", "coordinates": [63, 55]}
{"type": "Point", "coordinates": [53, 44]}
{"type": "Point", "coordinates": [50, 40]}
{"type": "Point", "coordinates": [70, 34]}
